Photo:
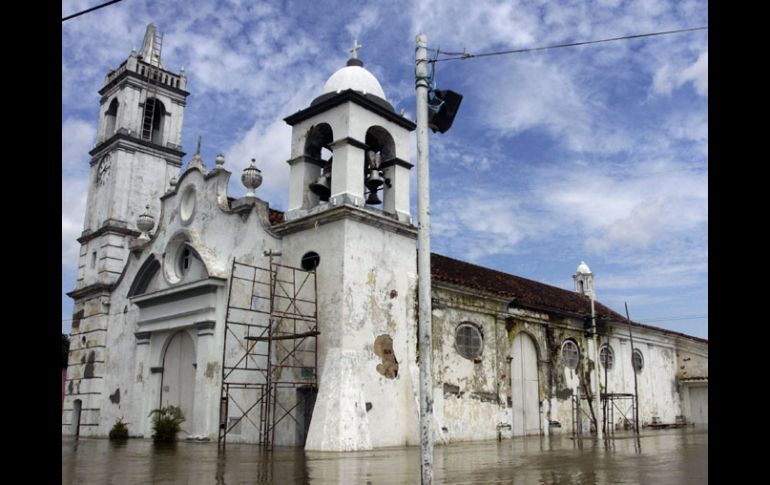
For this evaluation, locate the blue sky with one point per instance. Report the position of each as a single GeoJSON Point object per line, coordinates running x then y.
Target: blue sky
{"type": "Point", "coordinates": [595, 153]}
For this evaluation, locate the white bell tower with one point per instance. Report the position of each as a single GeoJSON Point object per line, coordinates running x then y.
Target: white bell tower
{"type": "Point", "coordinates": [353, 120]}
{"type": "Point", "coordinates": [349, 213]}
{"type": "Point", "coordinates": [138, 150]}
{"type": "Point", "coordinates": [584, 280]}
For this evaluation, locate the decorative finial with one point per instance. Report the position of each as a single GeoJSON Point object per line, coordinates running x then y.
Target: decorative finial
{"type": "Point", "coordinates": [145, 223]}
{"type": "Point", "coordinates": [251, 178]}
{"type": "Point", "coordinates": [354, 50]}
{"type": "Point", "coordinates": [172, 182]}
{"type": "Point", "coordinates": [220, 161]}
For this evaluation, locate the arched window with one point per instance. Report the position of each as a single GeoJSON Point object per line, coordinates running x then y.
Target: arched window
{"type": "Point", "coordinates": [317, 148]}
{"type": "Point", "coordinates": [110, 118]}
{"type": "Point", "coordinates": [638, 361]}
{"type": "Point", "coordinates": [152, 122]}
{"type": "Point", "coordinates": [144, 277]}
{"type": "Point", "coordinates": [381, 149]}
{"type": "Point", "coordinates": [607, 357]}
{"type": "Point", "coordinates": [570, 353]}
{"type": "Point", "coordinates": [468, 340]}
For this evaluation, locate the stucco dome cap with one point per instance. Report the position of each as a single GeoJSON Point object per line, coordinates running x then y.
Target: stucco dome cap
{"type": "Point", "coordinates": [583, 268]}
{"type": "Point", "coordinates": [355, 77]}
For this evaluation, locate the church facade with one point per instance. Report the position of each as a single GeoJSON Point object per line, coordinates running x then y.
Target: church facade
{"type": "Point", "coordinates": [299, 327]}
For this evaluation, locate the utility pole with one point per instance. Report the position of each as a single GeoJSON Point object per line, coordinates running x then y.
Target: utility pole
{"type": "Point", "coordinates": [595, 388]}
{"type": "Point", "coordinates": [423, 262]}
{"type": "Point", "coordinates": [633, 368]}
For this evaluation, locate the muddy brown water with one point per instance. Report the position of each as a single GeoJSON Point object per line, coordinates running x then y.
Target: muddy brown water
{"type": "Point", "coordinates": [671, 456]}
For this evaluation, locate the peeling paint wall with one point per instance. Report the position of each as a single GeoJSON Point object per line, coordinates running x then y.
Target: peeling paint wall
{"type": "Point", "coordinates": [461, 385]}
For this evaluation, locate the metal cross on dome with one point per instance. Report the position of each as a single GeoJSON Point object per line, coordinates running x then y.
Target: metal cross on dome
{"type": "Point", "coordinates": [354, 50]}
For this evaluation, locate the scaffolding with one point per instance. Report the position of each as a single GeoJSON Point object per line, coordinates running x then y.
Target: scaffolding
{"type": "Point", "coordinates": [270, 352]}
{"type": "Point", "coordinates": [578, 412]}
{"type": "Point", "coordinates": [625, 405]}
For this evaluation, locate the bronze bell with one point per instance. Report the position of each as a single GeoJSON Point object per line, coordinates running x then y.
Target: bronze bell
{"type": "Point", "coordinates": [373, 180]}
{"type": "Point", "coordinates": [373, 199]}
{"type": "Point", "coordinates": [321, 188]}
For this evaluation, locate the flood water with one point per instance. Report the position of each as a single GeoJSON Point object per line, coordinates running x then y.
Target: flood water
{"type": "Point", "coordinates": [657, 457]}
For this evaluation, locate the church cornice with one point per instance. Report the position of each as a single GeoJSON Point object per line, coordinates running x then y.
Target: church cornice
{"type": "Point", "coordinates": [129, 141]}
{"type": "Point", "coordinates": [90, 290]}
{"type": "Point", "coordinates": [349, 96]}
{"type": "Point", "coordinates": [349, 212]}
{"type": "Point", "coordinates": [107, 229]}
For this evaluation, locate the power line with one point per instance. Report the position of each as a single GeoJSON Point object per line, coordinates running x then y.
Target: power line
{"type": "Point", "coordinates": [465, 55]}
{"type": "Point", "coordinates": [90, 10]}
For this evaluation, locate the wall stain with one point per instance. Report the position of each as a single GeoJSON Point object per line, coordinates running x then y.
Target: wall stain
{"type": "Point", "coordinates": [383, 347]}
{"type": "Point", "coordinates": [211, 369]}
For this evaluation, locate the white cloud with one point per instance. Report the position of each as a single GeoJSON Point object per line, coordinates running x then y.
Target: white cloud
{"type": "Point", "coordinates": [77, 138]}
{"type": "Point", "coordinates": [698, 74]}
{"type": "Point", "coordinates": [270, 146]}
{"type": "Point", "coordinates": [74, 193]}
{"type": "Point", "coordinates": [669, 77]}
{"type": "Point", "coordinates": [368, 19]}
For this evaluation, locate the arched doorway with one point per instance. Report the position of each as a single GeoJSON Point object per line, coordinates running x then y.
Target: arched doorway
{"type": "Point", "coordinates": [524, 386]}
{"type": "Point", "coordinates": [178, 382]}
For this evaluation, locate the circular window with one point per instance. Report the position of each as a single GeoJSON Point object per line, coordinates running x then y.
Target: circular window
{"type": "Point", "coordinates": [310, 261]}
{"type": "Point", "coordinates": [177, 258]}
{"type": "Point", "coordinates": [570, 354]}
{"type": "Point", "coordinates": [468, 341]}
{"type": "Point", "coordinates": [638, 360]}
{"type": "Point", "coordinates": [187, 207]}
{"type": "Point", "coordinates": [607, 357]}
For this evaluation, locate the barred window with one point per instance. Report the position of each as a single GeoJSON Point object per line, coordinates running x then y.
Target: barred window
{"type": "Point", "coordinates": [638, 360]}
{"type": "Point", "coordinates": [570, 354]}
{"type": "Point", "coordinates": [607, 356]}
{"type": "Point", "coordinates": [468, 340]}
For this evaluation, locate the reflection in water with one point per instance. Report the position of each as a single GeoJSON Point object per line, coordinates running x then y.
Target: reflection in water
{"type": "Point", "coordinates": [656, 457]}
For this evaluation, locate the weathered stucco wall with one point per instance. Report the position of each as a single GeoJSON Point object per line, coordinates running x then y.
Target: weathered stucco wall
{"type": "Point", "coordinates": [364, 295]}
{"type": "Point", "coordinates": [134, 335]}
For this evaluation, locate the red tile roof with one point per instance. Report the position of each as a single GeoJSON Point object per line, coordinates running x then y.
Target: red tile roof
{"type": "Point", "coordinates": [524, 292]}
{"type": "Point", "coordinates": [276, 217]}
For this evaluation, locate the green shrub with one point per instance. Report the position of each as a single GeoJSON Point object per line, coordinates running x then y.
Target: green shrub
{"type": "Point", "coordinates": [165, 423]}
{"type": "Point", "coordinates": [119, 430]}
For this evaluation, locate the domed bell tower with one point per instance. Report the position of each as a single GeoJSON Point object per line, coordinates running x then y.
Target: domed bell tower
{"type": "Point", "coordinates": [350, 147]}
{"type": "Point", "coordinates": [349, 209]}
{"type": "Point", "coordinates": [584, 280]}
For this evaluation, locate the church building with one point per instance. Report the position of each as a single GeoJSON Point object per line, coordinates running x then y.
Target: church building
{"type": "Point", "coordinates": [299, 327]}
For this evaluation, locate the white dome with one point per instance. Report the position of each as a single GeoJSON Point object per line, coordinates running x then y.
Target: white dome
{"type": "Point", "coordinates": [355, 78]}
{"type": "Point", "coordinates": [583, 268]}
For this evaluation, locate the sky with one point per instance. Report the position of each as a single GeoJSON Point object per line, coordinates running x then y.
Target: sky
{"type": "Point", "coordinates": [595, 153]}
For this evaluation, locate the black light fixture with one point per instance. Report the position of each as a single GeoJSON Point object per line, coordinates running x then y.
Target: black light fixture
{"type": "Point", "coordinates": [442, 108]}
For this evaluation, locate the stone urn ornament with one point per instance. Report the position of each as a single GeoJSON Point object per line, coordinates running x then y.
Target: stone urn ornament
{"type": "Point", "coordinates": [251, 178]}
